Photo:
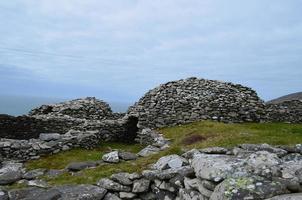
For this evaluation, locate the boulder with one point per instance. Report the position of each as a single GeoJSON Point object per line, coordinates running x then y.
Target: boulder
{"type": "Point", "coordinates": [264, 163]}
{"type": "Point", "coordinates": [10, 173]}
{"type": "Point", "coordinates": [217, 167]}
{"type": "Point", "coordinates": [247, 188]}
{"type": "Point", "coordinates": [112, 157]}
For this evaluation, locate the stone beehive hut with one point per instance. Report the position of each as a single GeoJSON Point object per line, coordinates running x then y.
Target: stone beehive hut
{"type": "Point", "coordinates": [193, 99]}
{"type": "Point", "coordinates": [87, 108]}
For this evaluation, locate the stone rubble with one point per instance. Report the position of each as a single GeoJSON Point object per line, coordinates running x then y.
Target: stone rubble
{"type": "Point", "coordinates": [262, 172]}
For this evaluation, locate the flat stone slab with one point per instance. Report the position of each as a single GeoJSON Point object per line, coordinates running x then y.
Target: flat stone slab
{"type": "Point", "coordinates": [78, 166]}
{"type": "Point", "coordinates": [49, 136]}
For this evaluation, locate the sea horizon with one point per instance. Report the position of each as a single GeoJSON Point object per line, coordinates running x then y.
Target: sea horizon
{"type": "Point", "coordinates": [16, 105]}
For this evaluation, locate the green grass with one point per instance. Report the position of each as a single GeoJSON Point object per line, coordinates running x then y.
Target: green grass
{"type": "Point", "coordinates": [212, 134]}
{"type": "Point", "coordinates": [61, 160]}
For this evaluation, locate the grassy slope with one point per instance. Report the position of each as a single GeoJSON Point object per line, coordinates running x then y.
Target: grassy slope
{"type": "Point", "coordinates": [210, 133]}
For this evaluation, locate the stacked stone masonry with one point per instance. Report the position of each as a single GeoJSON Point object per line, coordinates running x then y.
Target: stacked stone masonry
{"type": "Point", "coordinates": [192, 99]}
{"type": "Point", "coordinates": [195, 99]}
{"type": "Point", "coordinates": [287, 111]}
{"type": "Point", "coordinates": [88, 136]}
{"type": "Point", "coordinates": [88, 108]}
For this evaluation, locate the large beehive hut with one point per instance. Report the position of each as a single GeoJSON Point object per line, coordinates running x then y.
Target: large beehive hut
{"type": "Point", "coordinates": [193, 99]}
{"type": "Point", "coordinates": [87, 108]}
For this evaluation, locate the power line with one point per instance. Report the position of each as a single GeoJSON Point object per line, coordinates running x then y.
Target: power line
{"type": "Point", "coordinates": [68, 56]}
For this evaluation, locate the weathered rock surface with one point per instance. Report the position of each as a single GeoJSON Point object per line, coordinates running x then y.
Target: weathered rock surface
{"type": "Point", "coordinates": [10, 173]}
{"type": "Point", "coordinates": [112, 157]}
{"type": "Point", "coordinates": [261, 172]}
{"type": "Point", "coordinates": [247, 188]}
{"type": "Point", "coordinates": [171, 161]}
{"type": "Point", "coordinates": [113, 186]}
{"type": "Point", "coordinates": [217, 167]}
{"type": "Point", "coordinates": [89, 192]}
{"type": "Point", "coordinates": [288, 197]}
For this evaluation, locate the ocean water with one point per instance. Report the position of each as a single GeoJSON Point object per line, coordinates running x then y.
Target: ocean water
{"type": "Point", "coordinates": [21, 105]}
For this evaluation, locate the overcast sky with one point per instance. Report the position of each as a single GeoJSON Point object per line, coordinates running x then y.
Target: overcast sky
{"type": "Point", "coordinates": [117, 50]}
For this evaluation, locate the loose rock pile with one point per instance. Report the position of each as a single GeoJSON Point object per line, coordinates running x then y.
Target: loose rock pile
{"type": "Point", "coordinates": [247, 171]}
{"type": "Point", "coordinates": [195, 99]}
{"type": "Point", "coordinates": [88, 108]}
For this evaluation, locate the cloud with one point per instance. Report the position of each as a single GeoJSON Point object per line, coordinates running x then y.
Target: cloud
{"type": "Point", "coordinates": [131, 46]}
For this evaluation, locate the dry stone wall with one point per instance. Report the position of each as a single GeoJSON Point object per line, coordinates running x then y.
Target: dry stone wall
{"type": "Point", "coordinates": [193, 99]}
{"type": "Point", "coordinates": [287, 111]}
{"type": "Point", "coordinates": [88, 136]}
{"type": "Point", "coordinates": [25, 127]}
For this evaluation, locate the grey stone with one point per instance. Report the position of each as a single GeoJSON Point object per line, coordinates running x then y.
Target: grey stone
{"type": "Point", "coordinates": [111, 157]}
{"type": "Point", "coordinates": [77, 166]}
{"type": "Point", "coordinates": [38, 183]}
{"type": "Point", "coordinates": [52, 173]}
{"type": "Point", "coordinates": [34, 194]}
{"type": "Point", "coordinates": [32, 174]}
{"type": "Point", "coordinates": [10, 173]}
{"type": "Point", "coordinates": [287, 197]}
{"type": "Point", "coordinates": [171, 161]}
{"type": "Point", "coordinates": [49, 136]}
{"type": "Point", "coordinates": [3, 195]}
{"type": "Point", "coordinates": [149, 150]}
{"type": "Point", "coordinates": [263, 147]}
{"type": "Point", "coordinates": [247, 188]}
{"type": "Point", "coordinates": [127, 155]}
{"type": "Point", "coordinates": [122, 178]}
{"type": "Point", "coordinates": [113, 186]}
{"type": "Point", "coordinates": [141, 185]}
{"type": "Point", "coordinates": [217, 167]}
{"type": "Point", "coordinates": [127, 195]}
{"type": "Point", "coordinates": [110, 196]}
{"type": "Point", "coordinates": [83, 192]}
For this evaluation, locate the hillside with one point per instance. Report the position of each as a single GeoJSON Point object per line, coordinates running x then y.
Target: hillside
{"type": "Point", "coordinates": [293, 96]}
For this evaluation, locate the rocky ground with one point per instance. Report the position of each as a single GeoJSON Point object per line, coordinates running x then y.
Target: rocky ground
{"type": "Point", "coordinates": [246, 171]}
